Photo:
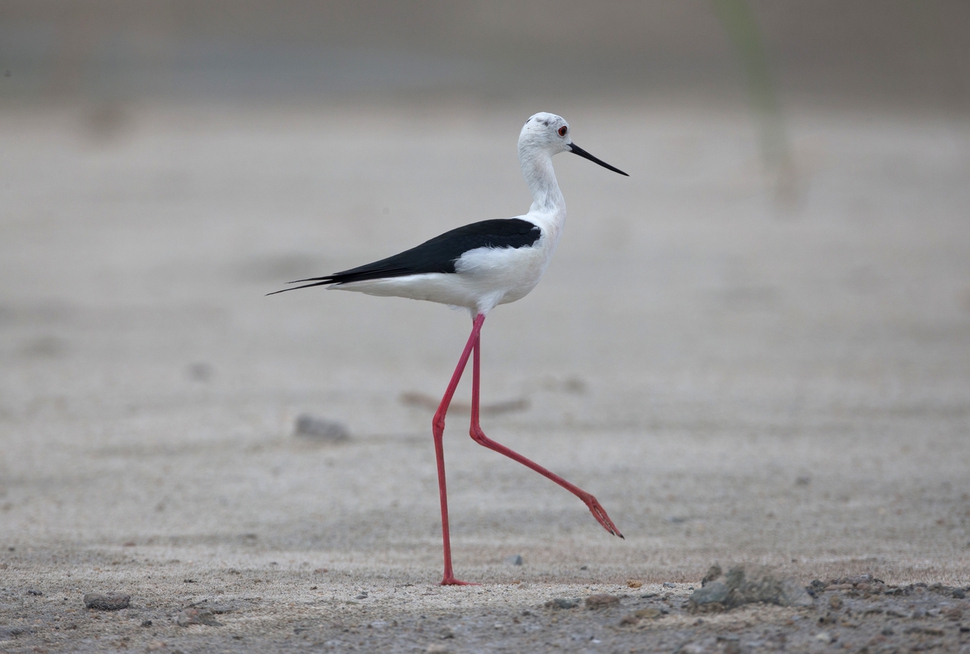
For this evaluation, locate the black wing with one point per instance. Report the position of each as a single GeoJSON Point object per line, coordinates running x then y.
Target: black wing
{"type": "Point", "coordinates": [437, 255]}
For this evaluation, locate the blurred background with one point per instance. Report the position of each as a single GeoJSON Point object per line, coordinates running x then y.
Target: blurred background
{"type": "Point", "coordinates": [784, 277]}
{"type": "Point", "coordinates": [899, 54]}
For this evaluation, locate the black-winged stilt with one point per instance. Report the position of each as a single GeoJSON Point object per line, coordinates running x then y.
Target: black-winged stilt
{"type": "Point", "coordinates": [480, 266]}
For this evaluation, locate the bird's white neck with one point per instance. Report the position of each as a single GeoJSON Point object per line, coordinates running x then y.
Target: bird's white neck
{"type": "Point", "coordinates": [541, 178]}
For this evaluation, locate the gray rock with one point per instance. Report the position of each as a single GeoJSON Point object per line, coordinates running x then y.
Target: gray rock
{"type": "Point", "coordinates": [6, 633]}
{"type": "Point", "coordinates": [712, 573]}
{"type": "Point", "coordinates": [746, 584]}
{"type": "Point", "coordinates": [196, 616]}
{"type": "Point", "coordinates": [320, 429]}
{"type": "Point", "coordinates": [713, 591]}
{"type": "Point", "coordinates": [106, 602]}
{"type": "Point", "coordinates": [601, 601]}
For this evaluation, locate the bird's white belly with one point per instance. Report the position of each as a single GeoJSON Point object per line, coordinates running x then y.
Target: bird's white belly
{"type": "Point", "coordinates": [483, 279]}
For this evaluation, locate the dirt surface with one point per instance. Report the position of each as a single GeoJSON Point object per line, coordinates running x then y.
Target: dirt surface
{"type": "Point", "coordinates": [739, 377]}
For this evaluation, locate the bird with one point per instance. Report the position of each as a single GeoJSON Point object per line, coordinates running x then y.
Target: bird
{"type": "Point", "coordinates": [480, 266]}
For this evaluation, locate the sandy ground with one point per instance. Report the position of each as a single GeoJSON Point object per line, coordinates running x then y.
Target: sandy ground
{"type": "Point", "coordinates": [737, 378]}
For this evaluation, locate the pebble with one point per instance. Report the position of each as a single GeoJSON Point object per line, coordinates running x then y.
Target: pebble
{"type": "Point", "coordinates": [200, 371]}
{"type": "Point", "coordinates": [320, 429]}
{"type": "Point", "coordinates": [699, 646]}
{"type": "Point", "coordinates": [515, 559]}
{"type": "Point", "coordinates": [601, 601]}
{"type": "Point", "coordinates": [106, 602]}
{"type": "Point", "coordinates": [197, 616]}
{"type": "Point", "coordinates": [745, 584]}
{"type": "Point", "coordinates": [562, 603]}
{"type": "Point", "coordinates": [649, 613]}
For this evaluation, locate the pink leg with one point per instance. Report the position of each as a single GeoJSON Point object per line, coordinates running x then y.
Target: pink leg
{"type": "Point", "coordinates": [479, 437]}
{"type": "Point", "coordinates": [438, 429]}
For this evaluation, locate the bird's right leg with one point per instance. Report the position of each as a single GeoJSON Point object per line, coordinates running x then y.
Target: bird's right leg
{"type": "Point", "coordinates": [479, 437]}
{"type": "Point", "coordinates": [438, 429]}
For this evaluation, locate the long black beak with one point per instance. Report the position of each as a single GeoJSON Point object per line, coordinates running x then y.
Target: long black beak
{"type": "Point", "coordinates": [575, 149]}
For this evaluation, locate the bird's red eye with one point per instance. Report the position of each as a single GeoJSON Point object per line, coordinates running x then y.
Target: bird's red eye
{"type": "Point", "coordinates": [563, 130]}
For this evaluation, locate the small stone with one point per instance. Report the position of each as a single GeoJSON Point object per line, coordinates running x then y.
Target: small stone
{"type": "Point", "coordinates": [824, 637]}
{"type": "Point", "coordinates": [106, 602]}
{"type": "Point", "coordinates": [699, 646]}
{"type": "Point", "coordinates": [515, 559]}
{"type": "Point", "coordinates": [197, 616]}
{"type": "Point", "coordinates": [6, 633]}
{"type": "Point", "coordinates": [712, 573]}
{"type": "Point", "coordinates": [561, 603]}
{"type": "Point", "coordinates": [634, 583]}
{"type": "Point", "coordinates": [34, 592]}
{"type": "Point", "coordinates": [320, 430]}
{"type": "Point", "coordinates": [437, 648]}
{"type": "Point", "coordinates": [200, 371]}
{"type": "Point", "coordinates": [929, 631]}
{"type": "Point", "coordinates": [711, 592]}
{"type": "Point", "coordinates": [835, 602]}
{"type": "Point", "coordinates": [215, 609]}
{"type": "Point", "coordinates": [649, 613]}
{"type": "Point", "coordinates": [744, 584]}
{"type": "Point", "coordinates": [601, 601]}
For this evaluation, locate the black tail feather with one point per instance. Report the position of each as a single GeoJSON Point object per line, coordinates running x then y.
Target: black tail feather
{"type": "Point", "coordinates": [317, 281]}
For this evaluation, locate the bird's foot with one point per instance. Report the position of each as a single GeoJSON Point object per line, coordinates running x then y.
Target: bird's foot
{"type": "Point", "coordinates": [601, 516]}
{"type": "Point", "coordinates": [451, 581]}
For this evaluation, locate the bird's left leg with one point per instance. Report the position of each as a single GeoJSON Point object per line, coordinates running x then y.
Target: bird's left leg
{"type": "Point", "coordinates": [479, 437]}
{"type": "Point", "coordinates": [438, 430]}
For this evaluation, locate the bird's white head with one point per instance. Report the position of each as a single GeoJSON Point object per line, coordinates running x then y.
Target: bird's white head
{"type": "Point", "coordinates": [549, 134]}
